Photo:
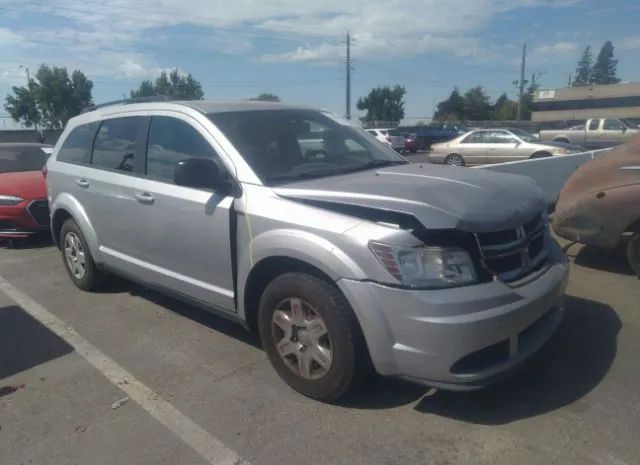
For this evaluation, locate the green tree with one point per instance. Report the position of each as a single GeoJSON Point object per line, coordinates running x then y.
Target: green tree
{"type": "Point", "coordinates": [451, 109]}
{"type": "Point", "coordinates": [605, 69]}
{"type": "Point", "coordinates": [505, 109]}
{"type": "Point", "coordinates": [584, 71]}
{"type": "Point", "coordinates": [477, 106]}
{"type": "Point", "coordinates": [383, 103]}
{"type": "Point", "coordinates": [173, 85]}
{"type": "Point", "coordinates": [50, 98]}
{"type": "Point", "coordinates": [267, 97]}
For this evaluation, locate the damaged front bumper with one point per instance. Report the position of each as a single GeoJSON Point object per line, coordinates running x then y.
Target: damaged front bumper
{"type": "Point", "coordinates": [463, 338]}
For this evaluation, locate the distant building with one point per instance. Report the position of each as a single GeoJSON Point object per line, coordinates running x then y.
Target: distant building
{"type": "Point", "coordinates": [580, 103]}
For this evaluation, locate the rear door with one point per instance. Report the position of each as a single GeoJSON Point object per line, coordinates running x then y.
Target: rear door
{"type": "Point", "coordinates": [108, 189]}
{"type": "Point", "coordinates": [186, 231]}
{"type": "Point", "coordinates": [504, 147]}
{"type": "Point", "coordinates": [474, 147]}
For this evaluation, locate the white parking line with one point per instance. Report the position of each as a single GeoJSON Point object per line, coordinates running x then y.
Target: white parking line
{"type": "Point", "coordinates": [210, 448]}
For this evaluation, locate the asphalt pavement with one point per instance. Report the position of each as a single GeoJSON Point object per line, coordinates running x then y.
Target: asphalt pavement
{"type": "Point", "coordinates": [130, 376]}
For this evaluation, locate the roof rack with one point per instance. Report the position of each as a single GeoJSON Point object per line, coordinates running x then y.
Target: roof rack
{"type": "Point", "coordinates": [152, 98]}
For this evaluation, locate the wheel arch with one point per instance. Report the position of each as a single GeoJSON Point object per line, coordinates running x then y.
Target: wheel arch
{"type": "Point", "coordinates": [66, 206]}
{"type": "Point", "coordinates": [265, 271]}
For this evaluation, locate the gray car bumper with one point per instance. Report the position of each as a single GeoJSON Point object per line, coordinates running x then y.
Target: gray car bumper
{"type": "Point", "coordinates": [462, 338]}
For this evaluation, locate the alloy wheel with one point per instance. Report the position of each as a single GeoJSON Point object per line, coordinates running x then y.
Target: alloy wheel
{"type": "Point", "coordinates": [74, 255]}
{"type": "Point", "coordinates": [301, 338]}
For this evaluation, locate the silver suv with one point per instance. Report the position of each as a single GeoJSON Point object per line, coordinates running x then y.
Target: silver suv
{"type": "Point", "coordinates": [344, 256]}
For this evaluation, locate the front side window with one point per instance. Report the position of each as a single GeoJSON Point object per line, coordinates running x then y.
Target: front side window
{"type": "Point", "coordinates": [282, 145]}
{"type": "Point", "coordinates": [170, 141]}
{"type": "Point", "coordinates": [116, 144]}
{"type": "Point", "coordinates": [480, 137]}
{"type": "Point", "coordinates": [77, 146]}
{"type": "Point", "coordinates": [593, 124]}
{"type": "Point", "coordinates": [17, 158]}
{"type": "Point", "coordinates": [612, 125]}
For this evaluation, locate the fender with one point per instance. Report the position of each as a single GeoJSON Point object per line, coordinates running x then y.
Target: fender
{"type": "Point", "coordinates": [70, 204]}
{"type": "Point", "coordinates": [301, 245]}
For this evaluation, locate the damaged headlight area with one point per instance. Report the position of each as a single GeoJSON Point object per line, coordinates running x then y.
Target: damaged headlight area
{"type": "Point", "coordinates": [426, 267]}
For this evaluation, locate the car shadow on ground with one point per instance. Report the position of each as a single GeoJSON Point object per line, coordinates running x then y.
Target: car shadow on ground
{"type": "Point", "coordinates": [38, 241]}
{"type": "Point", "coordinates": [201, 316]}
{"type": "Point", "coordinates": [569, 366]}
{"type": "Point", "coordinates": [613, 261]}
{"type": "Point", "coordinates": [25, 343]}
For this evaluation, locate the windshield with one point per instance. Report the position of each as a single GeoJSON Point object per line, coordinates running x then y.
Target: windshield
{"type": "Point", "coordinates": [16, 158]}
{"type": "Point", "coordinates": [282, 145]}
{"type": "Point", "coordinates": [524, 135]}
{"type": "Point", "coordinates": [630, 123]}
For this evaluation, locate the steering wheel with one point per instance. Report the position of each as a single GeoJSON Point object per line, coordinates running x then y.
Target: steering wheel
{"type": "Point", "coordinates": [317, 154]}
{"type": "Point", "coordinates": [312, 166]}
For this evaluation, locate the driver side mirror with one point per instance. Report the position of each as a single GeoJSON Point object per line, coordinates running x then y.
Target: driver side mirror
{"type": "Point", "coordinates": [201, 173]}
{"type": "Point", "coordinates": [624, 129]}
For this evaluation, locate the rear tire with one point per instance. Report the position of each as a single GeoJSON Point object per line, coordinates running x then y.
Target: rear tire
{"type": "Point", "coordinates": [454, 159]}
{"type": "Point", "coordinates": [77, 258]}
{"type": "Point", "coordinates": [633, 252]}
{"type": "Point", "coordinates": [302, 317]}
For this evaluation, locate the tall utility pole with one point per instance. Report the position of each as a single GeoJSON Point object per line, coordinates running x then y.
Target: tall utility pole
{"type": "Point", "coordinates": [348, 68]}
{"type": "Point", "coordinates": [35, 123]}
{"type": "Point", "coordinates": [522, 83]}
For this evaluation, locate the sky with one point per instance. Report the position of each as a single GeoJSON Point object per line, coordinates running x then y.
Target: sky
{"type": "Point", "coordinates": [296, 48]}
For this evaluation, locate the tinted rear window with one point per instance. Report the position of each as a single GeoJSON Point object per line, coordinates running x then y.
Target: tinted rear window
{"type": "Point", "coordinates": [14, 159]}
{"type": "Point", "coordinates": [115, 146]}
{"type": "Point", "coordinates": [394, 133]}
{"type": "Point", "coordinates": [77, 146]}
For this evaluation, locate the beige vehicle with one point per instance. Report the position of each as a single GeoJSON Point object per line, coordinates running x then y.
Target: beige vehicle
{"type": "Point", "coordinates": [488, 146]}
{"type": "Point", "coordinates": [597, 133]}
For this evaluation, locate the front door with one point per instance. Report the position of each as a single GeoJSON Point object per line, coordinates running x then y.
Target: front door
{"type": "Point", "coordinates": [504, 147]}
{"type": "Point", "coordinates": [185, 236]}
{"type": "Point", "coordinates": [612, 133]}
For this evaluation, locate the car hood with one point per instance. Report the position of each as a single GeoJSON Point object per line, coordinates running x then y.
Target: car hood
{"type": "Point", "coordinates": [563, 145]}
{"type": "Point", "coordinates": [26, 184]}
{"type": "Point", "coordinates": [440, 197]}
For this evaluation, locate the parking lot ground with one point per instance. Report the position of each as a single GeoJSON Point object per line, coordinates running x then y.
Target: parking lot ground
{"type": "Point", "coordinates": [422, 156]}
{"type": "Point", "coordinates": [576, 402]}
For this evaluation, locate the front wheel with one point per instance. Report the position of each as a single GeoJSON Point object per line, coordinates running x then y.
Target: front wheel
{"type": "Point", "coordinates": [633, 252]}
{"type": "Point", "coordinates": [311, 336]}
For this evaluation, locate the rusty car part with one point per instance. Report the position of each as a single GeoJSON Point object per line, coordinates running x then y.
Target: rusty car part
{"type": "Point", "coordinates": [600, 203]}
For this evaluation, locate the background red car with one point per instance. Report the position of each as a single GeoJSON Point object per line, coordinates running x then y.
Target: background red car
{"type": "Point", "coordinates": [24, 209]}
{"type": "Point", "coordinates": [410, 142]}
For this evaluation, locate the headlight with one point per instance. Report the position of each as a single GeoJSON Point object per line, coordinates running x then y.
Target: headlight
{"type": "Point", "coordinates": [426, 267]}
{"type": "Point", "coordinates": [10, 200]}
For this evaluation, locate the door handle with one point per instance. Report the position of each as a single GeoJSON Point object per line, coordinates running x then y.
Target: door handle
{"type": "Point", "coordinates": [82, 183]}
{"type": "Point", "coordinates": [145, 197]}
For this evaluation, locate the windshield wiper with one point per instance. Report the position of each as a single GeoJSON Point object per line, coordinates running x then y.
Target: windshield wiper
{"type": "Point", "coordinates": [375, 164]}
{"type": "Point", "coordinates": [300, 175]}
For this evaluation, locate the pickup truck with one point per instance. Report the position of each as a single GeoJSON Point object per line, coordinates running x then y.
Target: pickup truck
{"type": "Point", "coordinates": [434, 133]}
{"type": "Point", "coordinates": [597, 133]}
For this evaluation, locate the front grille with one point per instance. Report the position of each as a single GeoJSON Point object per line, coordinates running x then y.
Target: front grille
{"type": "Point", "coordinates": [512, 254]}
{"type": "Point", "coordinates": [39, 210]}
